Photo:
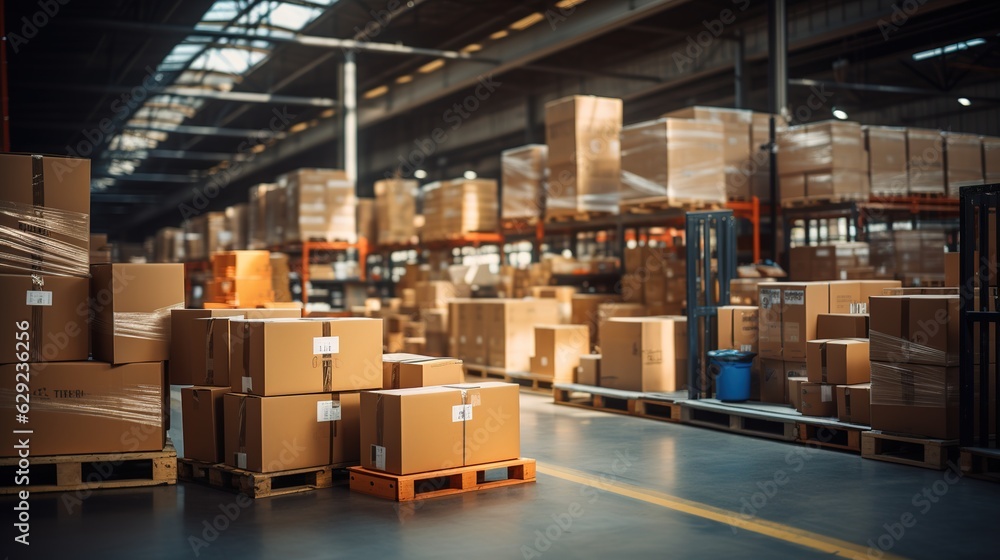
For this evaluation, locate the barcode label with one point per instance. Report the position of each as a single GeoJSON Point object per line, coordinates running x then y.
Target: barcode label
{"type": "Point", "coordinates": [247, 384]}
{"type": "Point", "coordinates": [241, 460]}
{"type": "Point", "coordinates": [461, 413]}
{"type": "Point", "coordinates": [326, 345]}
{"type": "Point", "coordinates": [746, 348]}
{"type": "Point", "coordinates": [795, 297]}
{"type": "Point", "coordinates": [826, 393]}
{"type": "Point", "coordinates": [327, 411]}
{"type": "Point", "coordinates": [378, 456]}
{"type": "Point", "coordinates": [769, 298]}
{"type": "Point", "coordinates": [859, 308]}
{"type": "Point", "coordinates": [39, 298]}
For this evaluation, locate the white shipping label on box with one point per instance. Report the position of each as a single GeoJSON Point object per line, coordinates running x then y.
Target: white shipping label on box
{"type": "Point", "coordinates": [545, 361]}
{"type": "Point", "coordinates": [326, 345]}
{"type": "Point", "coordinates": [39, 298]}
{"type": "Point", "coordinates": [461, 413]}
{"type": "Point", "coordinates": [247, 384]}
{"type": "Point", "coordinates": [327, 411]}
{"type": "Point", "coordinates": [378, 456]}
{"type": "Point", "coordinates": [826, 393]}
{"type": "Point", "coordinates": [769, 298]}
{"type": "Point", "coordinates": [241, 460]}
{"type": "Point", "coordinates": [795, 297]}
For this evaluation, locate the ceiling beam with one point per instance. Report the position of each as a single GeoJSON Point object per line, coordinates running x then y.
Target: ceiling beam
{"type": "Point", "coordinates": [882, 88]}
{"type": "Point", "coordinates": [200, 93]}
{"type": "Point", "coordinates": [173, 154]}
{"type": "Point", "coordinates": [148, 178]}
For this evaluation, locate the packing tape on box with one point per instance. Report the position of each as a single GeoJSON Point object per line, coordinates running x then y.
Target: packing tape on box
{"type": "Point", "coordinates": [378, 448]}
{"type": "Point", "coordinates": [140, 404]}
{"type": "Point", "coordinates": [246, 380]}
{"type": "Point", "coordinates": [145, 325]}
{"type": "Point", "coordinates": [327, 361]}
{"type": "Point", "coordinates": [241, 445]}
{"type": "Point", "coordinates": [37, 284]}
{"type": "Point", "coordinates": [912, 385]}
{"type": "Point", "coordinates": [35, 225]}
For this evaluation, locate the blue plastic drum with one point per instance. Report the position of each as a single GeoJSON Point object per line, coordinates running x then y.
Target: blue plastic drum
{"type": "Point", "coordinates": [732, 383]}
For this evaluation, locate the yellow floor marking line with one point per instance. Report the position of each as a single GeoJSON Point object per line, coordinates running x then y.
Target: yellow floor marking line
{"type": "Point", "coordinates": [771, 529]}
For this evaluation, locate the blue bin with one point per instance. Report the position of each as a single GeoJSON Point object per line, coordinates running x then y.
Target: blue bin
{"type": "Point", "coordinates": [732, 383]}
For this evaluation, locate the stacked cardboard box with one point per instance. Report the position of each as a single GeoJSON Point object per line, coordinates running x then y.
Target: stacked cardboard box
{"type": "Point", "coordinates": [435, 323]}
{"type": "Point", "coordinates": [823, 161]}
{"type": "Point", "coordinates": [673, 163]}
{"type": "Point", "coordinates": [204, 235]}
{"type": "Point", "coordinates": [841, 261]}
{"type": "Point", "coordinates": [240, 279]}
{"type": "Point", "coordinates": [830, 365]}
{"type": "Point", "coordinates": [238, 226]}
{"type": "Point", "coordinates": [886, 148]}
{"type": "Point", "coordinates": [509, 330]}
{"type": "Point", "coordinates": [408, 431]}
{"type": "Point", "coordinates": [991, 160]}
{"type": "Point", "coordinates": [645, 354]}
{"type": "Point", "coordinates": [963, 156]}
{"type": "Point", "coordinates": [744, 291]}
{"type": "Point", "coordinates": [319, 206]}
{"type": "Point", "coordinates": [787, 321]}
{"type": "Point", "coordinates": [257, 219]}
{"type": "Point", "coordinates": [523, 182]}
{"type": "Point", "coordinates": [584, 155]}
{"type": "Point", "coordinates": [736, 142]}
{"type": "Point", "coordinates": [925, 161]}
{"type": "Point", "coordinates": [558, 349]}
{"type": "Point", "coordinates": [275, 215]}
{"type": "Point", "coordinates": [168, 246]}
{"type": "Point", "coordinates": [585, 311]}
{"type": "Point", "coordinates": [563, 296]}
{"type": "Point", "coordinates": [458, 207]}
{"type": "Point", "coordinates": [405, 371]}
{"type": "Point", "coordinates": [395, 210]}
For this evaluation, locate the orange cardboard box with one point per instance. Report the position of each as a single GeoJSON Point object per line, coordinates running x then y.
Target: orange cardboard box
{"type": "Point", "coordinates": [558, 349]}
{"type": "Point", "coordinates": [201, 412]}
{"type": "Point", "coordinates": [642, 354]}
{"type": "Point", "coordinates": [838, 362]}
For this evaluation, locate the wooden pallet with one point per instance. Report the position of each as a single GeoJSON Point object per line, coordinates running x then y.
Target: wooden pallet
{"type": "Point", "coordinates": [531, 382]}
{"type": "Point", "coordinates": [485, 372]}
{"type": "Point", "coordinates": [658, 409]}
{"type": "Point", "coordinates": [659, 204]}
{"type": "Point", "coordinates": [807, 201]}
{"type": "Point", "coordinates": [919, 452]}
{"type": "Point", "coordinates": [596, 398]}
{"type": "Point", "coordinates": [404, 488]}
{"type": "Point", "coordinates": [266, 485]}
{"type": "Point", "coordinates": [519, 225]}
{"type": "Point", "coordinates": [190, 470]}
{"type": "Point", "coordinates": [580, 216]}
{"type": "Point", "coordinates": [62, 473]}
{"type": "Point", "coordinates": [762, 420]}
{"type": "Point", "coordinates": [930, 195]}
{"type": "Point", "coordinates": [981, 463]}
{"type": "Point", "coordinates": [843, 437]}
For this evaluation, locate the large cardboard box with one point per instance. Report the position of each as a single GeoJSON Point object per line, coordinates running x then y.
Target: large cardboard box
{"type": "Point", "coordinates": [395, 209]}
{"type": "Point", "coordinates": [795, 391]}
{"type": "Point", "coordinates": [558, 349]}
{"type": "Point", "coordinates": [45, 318]}
{"type": "Point", "coordinates": [86, 407]}
{"type": "Point", "coordinates": [273, 434]}
{"type": "Point", "coordinates": [270, 357]}
{"type": "Point", "coordinates": [365, 218]}
{"type": "Point", "coordinates": [801, 304]}
{"type": "Point", "coordinates": [589, 372]}
{"type": "Point", "coordinates": [641, 354]}
{"type": "Point", "coordinates": [819, 147]}
{"type": "Point", "coordinates": [914, 399]}
{"type": "Point", "coordinates": [838, 362]}
{"type": "Point", "coordinates": [584, 159]}
{"type": "Point", "coordinates": [202, 416]}
{"type": "Point", "coordinates": [586, 311]}
{"type": "Point", "coordinates": [459, 206]}
{"type": "Point", "coordinates": [773, 381]}
{"type": "Point", "coordinates": [205, 234]}
{"type": "Point", "coordinates": [403, 371]}
{"type": "Point", "coordinates": [738, 327]}
{"type": "Point", "coordinates": [45, 222]}
{"type": "Point", "coordinates": [842, 325]}
{"type": "Point", "coordinates": [522, 172]}
{"type": "Point", "coordinates": [886, 149]}
{"type": "Point", "coordinates": [319, 205]}
{"type": "Point", "coordinates": [769, 321]}
{"type": "Point", "coordinates": [199, 338]}
{"type": "Point", "coordinates": [925, 165]}
{"type": "Point", "coordinates": [854, 404]}
{"type": "Point", "coordinates": [818, 399]}
{"type": "Point", "coordinates": [133, 302]}
{"type": "Point", "coordinates": [963, 161]}
{"type": "Point", "coordinates": [407, 431]}
{"type": "Point", "coordinates": [737, 144]}
{"type": "Point", "coordinates": [509, 328]}
{"type": "Point", "coordinates": [915, 330]}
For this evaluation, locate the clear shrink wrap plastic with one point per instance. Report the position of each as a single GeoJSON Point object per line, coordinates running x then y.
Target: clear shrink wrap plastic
{"type": "Point", "coordinates": [141, 404]}
{"type": "Point", "coordinates": [662, 159]}
{"type": "Point", "coordinates": [43, 254]}
{"type": "Point", "coordinates": [912, 385]}
{"type": "Point", "coordinates": [820, 146]}
{"type": "Point", "coordinates": [147, 325]}
{"type": "Point", "coordinates": [523, 173]}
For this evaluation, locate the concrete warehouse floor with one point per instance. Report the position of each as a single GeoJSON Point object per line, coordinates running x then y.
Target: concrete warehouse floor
{"type": "Point", "coordinates": [608, 486]}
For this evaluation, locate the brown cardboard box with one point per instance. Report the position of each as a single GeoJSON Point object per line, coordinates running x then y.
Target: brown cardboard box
{"type": "Point", "coordinates": [738, 327]}
{"type": "Point", "coordinates": [88, 407]}
{"type": "Point", "coordinates": [589, 372]}
{"type": "Point", "coordinates": [795, 391]}
{"type": "Point", "coordinates": [769, 321]}
{"type": "Point", "coordinates": [509, 328]}
{"type": "Point", "coordinates": [584, 159]}
{"type": "Point", "coordinates": [838, 362]}
{"type": "Point", "coordinates": [640, 354]}
{"type": "Point", "coordinates": [585, 311]}
{"type": "Point", "coordinates": [801, 303]}
{"type": "Point", "coordinates": [445, 427]}
{"type": "Point", "coordinates": [963, 161]}
{"type": "Point", "coordinates": [434, 294]}
{"type": "Point", "coordinates": [319, 205]}
{"type": "Point", "coordinates": [854, 404]}
{"type": "Point", "coordinates": [60, 184]}
{"type": "Point", "coordinates": [273, 434]}
{"type": "Point", "coordinates": [436, 344]}
{"type": "Point", "coordinates": [743, 291]}
{"type": "Point", "coordinates": [796, 369]}
{"type": "Point", "coordinates": [842, 325]}
{"type": "Point", "coordinates": [558, 349]}
{"type": "Point", "coordinates": [55, 321]}
{"type": "Point", "coordinates": [201, 412]}
{"type": "Point", "coordinates": [403, 371]}
{"type": "Point", "coordinates": [915, 329]}
{"type": "Point", "coordinates": [190, 341]}
{"type": "Point", "coordinates": [773, 381]}
{"type": "Point", "coordinates": [270, 357]}
{"type": "Point", "coordinates": [913, 399]}
{"type": "Point", "coordinates": [818, 147]}
{"type": "Point", "coordinates": [435, 320]}
{"type": "Point", "coordinates": [132, 316]}
{"type": "Point", "coordinates": [925, 167]}
{"type": "Point", "coordinates": [991, 159]}
{"type": "Point", "coordinates": [852, 296]}
{"type": "Point", "coordinates": [736, 143]}
{"type": "Point", "coordinates": [886, 150]}
{"type": "Point", "coordinates": [523, 181]}
{"type": "Point", "coordinates": [818, 399]}
{"type": "Point", "coordinates": [471, 335]}
{"type": "Point", "coordinates": [257, 218]}
{"type": "Point", "coordinates": [395, 209]}
{"type": "Point", "coordinates": [459, 206]}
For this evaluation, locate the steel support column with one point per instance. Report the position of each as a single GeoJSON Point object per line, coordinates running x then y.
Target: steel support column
{"type": "Point", "coordinates": [348, 116]}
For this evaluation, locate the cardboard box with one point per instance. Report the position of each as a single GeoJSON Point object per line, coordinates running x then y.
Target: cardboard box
{"type": "Point", "coordinates": [842, 325]}
{"type": "Point", "coordinates": [914, 399]}
{"type": "Point", "coordinates": [818, 399]}
{"type": "Point", "coordinates": [925, 167]}
{"type": "Point", "coordinates": [915, 330]}
{"type": "Point", "coordinates": [796, 369]}
{"type": "Point", "coordinates": [963, 161]}
{"type": "Point", "coordinates": [522, 172]}
{"type": "Point", "coordinates": [459, 206]}
{"type": "Point", "coordinates": [470, 333]}
{"type": "Point", "coordinates": [643, 354]}
{"type": "Point", "coordinates": [853, 296]}
{"type": "Point", "coordinates": [819, 147]}
{"type": "Point", "coordinates": [395, 209]}
{"type": "Point", "coordinates": [131, 322]}
{"type": "Point", "coordinates": [202, 416]}
{"type": "Point", "coordinates": [854, 404]}
{"type": "Point", "coordinates": [991, 159]}
{"type": "Point", "coordinates": [801, 304]}
{"type": "Point", "coordinates": [435, 320]}
{"type": "Point", "coordinates": [795, 391]}
{"type": "Point", "coordinates": [195, 333]}
{"type": "Point", "coordinates": [403, 371]}
{"type": "Point", "coordinates": [434, 294]}
{"type": "Point", "coordinates": [838, 362]}
{"type": "Point", "coordinates": [55, 320]}
{"type": "Point", "coordinates": [29, 183]}
{"type": "Point", "coordinates": [270, 357]}
{"type": "Point", "coordinates": [589, 372]}
{"type": "Point", "coordinates": [319, 205]}
{"type": "Point", "coordinates": [585, 311]}
{"type": "Point", "coordinates": [558, 349]}
{"type": "Point", "coordinates": [738, 327]}
{"type": "Point", "coordinates": [87, 407]}
{"type": "Point", "coordinates": [445, 427]}
{"type": "Point", "coordinates": [509, 328]}
{"type": "Point", "coordinates": [274, 434]}
{"type": "Point", "coordinates": [769, 321]}
{"type": "Point", "coordinates": [886, 150]}
{"type": "Point", "coordinates": [773, 381]}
